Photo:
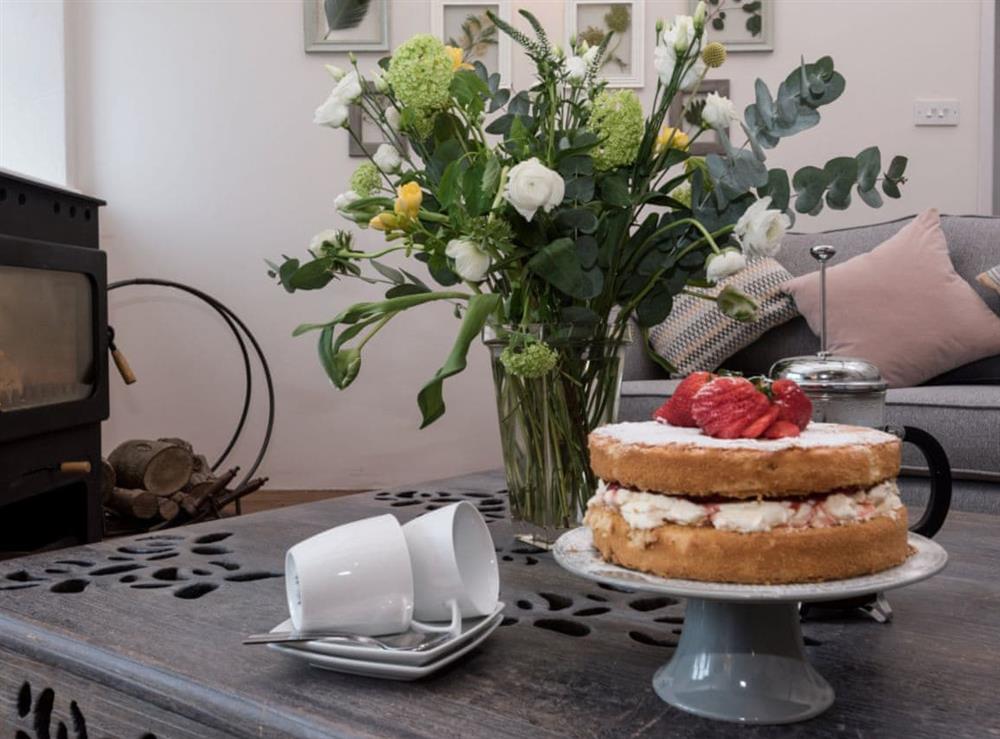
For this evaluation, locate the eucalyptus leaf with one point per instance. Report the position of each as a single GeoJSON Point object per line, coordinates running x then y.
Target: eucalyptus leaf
{"type": "Point", "coordinates": [579, 189]}
{"type": "Point", "coordinates": [311, 276]}
{"type": "Point", "coordinates": [778, 188]}
{"type": "Point", "coordinates": [869, 164]}
{"type": "Point", "coordinates": [579, 219]}
{"type": "Point", "coordinates": [344, 14]}
{"type": "Point", "coordinates": [430, 399]}
{"type": "Point", "coordinates": [842, 173]}
{"type": "Point", "coordinates": [559, 264]}
{"type": "Point", "coordinates": [870, 197]}
{"type": "Point", "coordinates": [614, 190]}
{"type": "Point", "coordinates": [810, 184]}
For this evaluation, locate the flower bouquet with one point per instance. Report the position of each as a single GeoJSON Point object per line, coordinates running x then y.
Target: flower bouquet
{"type": "Point", "coordinates": [556, 219]}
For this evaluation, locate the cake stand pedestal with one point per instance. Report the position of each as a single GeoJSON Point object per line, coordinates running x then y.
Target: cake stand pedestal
{"type": "Point", "coordinates": [740, 656]}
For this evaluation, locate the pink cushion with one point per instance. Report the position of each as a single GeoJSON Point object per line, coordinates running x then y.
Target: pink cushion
{"type": "Point", "coordinates": [902, 306]}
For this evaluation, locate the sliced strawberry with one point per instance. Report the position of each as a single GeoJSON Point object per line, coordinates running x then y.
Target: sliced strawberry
{"type": "Point", "coordinates": [677, 410]}
{"type": "Point", "coordinates": [781, 429]}
{"type": "Point", "coordinates": [761, 425]}
{"type": "Point", "coordinates": [794, 404]}
{"type": "Point", "coordinates": [726, 406]}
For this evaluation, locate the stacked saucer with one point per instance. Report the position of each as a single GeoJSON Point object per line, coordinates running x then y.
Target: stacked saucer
{"type": "Point", "coordinates": [391, 662]}
{"type": "Point", "coordinates": [376, 598]}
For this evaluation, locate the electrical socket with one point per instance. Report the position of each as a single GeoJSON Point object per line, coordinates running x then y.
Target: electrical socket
{"type": "Point", "coordinates": [935, 113]}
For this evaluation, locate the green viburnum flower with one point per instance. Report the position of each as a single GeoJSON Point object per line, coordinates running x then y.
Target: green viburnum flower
{"type": "Point", "coordinates": [366, 179]}
{"type": "Point", "coordinates": [617, 119]}
{"type": "Point", "coordinates": [534, 360]}
{"type": "Point", "coordinates": [420, 73]}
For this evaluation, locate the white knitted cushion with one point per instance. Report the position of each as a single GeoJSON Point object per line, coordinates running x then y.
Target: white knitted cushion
{"type": "Point", "coordinates": [697, 336]}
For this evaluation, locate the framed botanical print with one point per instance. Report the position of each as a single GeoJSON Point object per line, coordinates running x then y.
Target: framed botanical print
{"type": "Point", "coordinates": [593, 20]}
{"type": "Point", "coordinates": [685, 112]}
{"type": "Point", "coordinates": [466, 26]}
{"type": "Point", "coordinates": [742, 25]}
{"type": "Point", "coordinates": [345, 25]}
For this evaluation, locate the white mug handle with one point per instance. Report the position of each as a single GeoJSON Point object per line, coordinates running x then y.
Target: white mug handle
{"type": "Point", "coordinates": [454, 628]}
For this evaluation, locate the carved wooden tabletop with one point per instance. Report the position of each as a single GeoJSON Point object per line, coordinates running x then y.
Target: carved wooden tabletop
{"type": "Point", "coordinates": [141, 638]}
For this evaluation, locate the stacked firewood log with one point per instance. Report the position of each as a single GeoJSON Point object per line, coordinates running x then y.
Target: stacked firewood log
{"type": "Point", "coordinates": [148, 485]}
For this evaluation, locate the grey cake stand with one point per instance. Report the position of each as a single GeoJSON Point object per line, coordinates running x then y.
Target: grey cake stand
{"type": "Point", "coordinates": [740, 656]}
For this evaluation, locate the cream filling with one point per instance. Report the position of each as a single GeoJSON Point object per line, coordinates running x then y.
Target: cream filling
{"type": "Point", "coordinates": [644, 510]}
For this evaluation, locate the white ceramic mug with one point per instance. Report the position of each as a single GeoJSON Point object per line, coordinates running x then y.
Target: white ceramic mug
{"type": "Point", "coordinates": [355, 578]}
{"type": "Point", "coordinates": [453, 558]}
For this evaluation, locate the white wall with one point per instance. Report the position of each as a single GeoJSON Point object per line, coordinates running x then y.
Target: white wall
{"type": "Point", "coordinates": [33, 89]}
{"type": "Point", "coordinates": [193, 120]}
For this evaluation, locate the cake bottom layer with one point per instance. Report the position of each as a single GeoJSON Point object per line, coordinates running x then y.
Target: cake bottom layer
{"type": "Point", "coordinates": [779, 556]}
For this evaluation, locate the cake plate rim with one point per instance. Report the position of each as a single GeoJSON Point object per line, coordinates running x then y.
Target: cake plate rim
{"type": "Point", "coordinates": [575, 552]}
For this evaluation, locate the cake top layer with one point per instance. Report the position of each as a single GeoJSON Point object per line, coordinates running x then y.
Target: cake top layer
{"type": "Point", "coordinates": [816, 435]}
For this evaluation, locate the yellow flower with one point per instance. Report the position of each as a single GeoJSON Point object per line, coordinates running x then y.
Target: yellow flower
{"type": "Point", "coordinates": [384, 221]}
{"type": "Point", "coordinates": [409, 197]}
{"type": "Point", "coordinates": [673, 138]}
{"type": "Point", "coordinates": [714, 55]}
{"type": "Point", "coordinates": [457, 60]}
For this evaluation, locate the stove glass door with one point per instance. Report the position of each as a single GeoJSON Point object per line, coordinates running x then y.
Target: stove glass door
{"type": "Point", "coordinates": [46, 337]}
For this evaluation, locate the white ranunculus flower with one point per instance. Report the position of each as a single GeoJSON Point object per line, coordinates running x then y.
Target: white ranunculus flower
{"type": "Point", "coordinates": [576, 69]}
{"type": "Point", "coordinates": [333, 112]}
{"type": "Point", "coordinates": [719, 111]}
{"type": "Point", "coordinates": [317, 241]}
{"type": "Point", "coordinates": [682, 33]}
{"type": "Point", "coordinates": [471, 262]}
{"type": "Point", "coordinates": [387, 158]}
{"type": "Point", "coordinates": [760, 230]}
{"type": "Point", "coordinates": [392, 118]}
{"type": "Point", "coordinates": [344, 199]}
{"type": "Point", "coordinates": [378, 79]}
{"type": "Point", "coordinates": [349, 87]}
{"type": "Point", "coordinates": [336, 72]}
{"type": "Point", "coordinates": [728, 262]}
{"type": "Point", "coordinates": [531, 185]}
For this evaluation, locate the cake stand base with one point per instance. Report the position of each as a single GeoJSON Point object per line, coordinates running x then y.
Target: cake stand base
{"type": "Point", "coordinates": [743, 662]}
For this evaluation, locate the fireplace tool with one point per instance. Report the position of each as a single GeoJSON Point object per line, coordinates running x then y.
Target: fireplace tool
{"type": "Point", "coordinates": [852, 391]}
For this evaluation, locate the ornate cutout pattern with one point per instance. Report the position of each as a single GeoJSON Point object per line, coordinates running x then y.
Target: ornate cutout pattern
{"type": "Point", "coordinates": [493, 506]}
{"type": "Point", "coordinates": [37, 717]}
{"type": "Point", "coordinates": [202, 566]}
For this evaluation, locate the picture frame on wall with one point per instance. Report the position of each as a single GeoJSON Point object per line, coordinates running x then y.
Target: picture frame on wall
{"type": "Point", "coordinates": [591, 20]}
{"type": "Point", "coordinates": [465, 25]}
{"type": "Point", "coordinates": [742, 25]}
{"type": "Point", "coordinates": [708, 142]}
{"type": "Point", "coordinates": [337, 26]}
{"type": "Point", "coordinates": [368, 131]}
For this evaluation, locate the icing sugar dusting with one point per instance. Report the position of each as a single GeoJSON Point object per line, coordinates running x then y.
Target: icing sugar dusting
{"type": "Point", "coordinates": [652, 433]}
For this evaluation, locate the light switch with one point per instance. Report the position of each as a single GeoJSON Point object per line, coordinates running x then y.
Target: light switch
{"type": "Point", "coordinates": [935, 113]}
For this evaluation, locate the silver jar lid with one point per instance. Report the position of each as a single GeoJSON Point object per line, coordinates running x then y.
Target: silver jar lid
{"type": "Point", "coordinates": [830, 374]}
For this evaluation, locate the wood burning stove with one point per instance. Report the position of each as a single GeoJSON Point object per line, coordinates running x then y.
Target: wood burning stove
{"type": "Point", "coordinates": [53, 366]}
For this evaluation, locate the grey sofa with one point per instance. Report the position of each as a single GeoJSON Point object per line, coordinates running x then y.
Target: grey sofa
{"type": "Point", "coordinates": [960, 408]}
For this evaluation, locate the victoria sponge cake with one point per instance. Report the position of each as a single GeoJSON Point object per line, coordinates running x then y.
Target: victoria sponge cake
{"type": "Point", "coordinates": [817, 504]}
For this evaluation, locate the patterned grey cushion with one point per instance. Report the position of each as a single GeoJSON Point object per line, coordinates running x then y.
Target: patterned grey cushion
{"type": "Point", "coordinates": [697, 336]}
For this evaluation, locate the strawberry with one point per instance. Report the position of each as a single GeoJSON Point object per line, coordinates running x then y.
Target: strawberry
{"type": "Point", "coordinates": [726, 406]}
{"type": "Point", "coordinates": [780, 429]}
{"type": "Point", "coordinates": [794, 404]}
{"type": "Point", "coordinates": [761, 425]}
{"type": "Point", "coordinates": [677, 410]}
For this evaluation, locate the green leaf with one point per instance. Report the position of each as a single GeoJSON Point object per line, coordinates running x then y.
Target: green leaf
{"type": "Point", "coordinates": [342, 366]}
{"type": "Point", "coordinates": [890, 188]}
{"type": "Point", "coordinates": [559, 265]}
{"type": "Point", "coordinates": [311, 276]}
{"type": "Point", "coordinates": [580, 189]}
{"type": "Point", "coordinates": [896, 167]}
{"type": "Point", "coordinates": [579, 219]}
{"type": "Point", "coordinates": [810, 184]}
{"type": "Point", "coordinates": [393, 275]}
{"type": "Point", "coordinates": [778, 188]}
{"type": "Point", "coordinates": [491, 177]}
{"type": "Point", "coordinates": [407, 289]}
{"type": "Point", "coordinates": [736, 305]}
{"type": "Point", "coordinates": [448, 189]}
{"type": "Point", "coordinates": [655, 307]}
{"type": "Point", "coordinates": [586, 251]}
{"type": "Point", "coordinates": [430, 399]}
{"type": "Point", "coordinates": [286, 272]}
{"type": "Point", "coordinates": [869, 164]}
{"type": "Point", "coordinates": [842, 173]}
{"type": "Point", "coordinates": [614, 191]}
{"type": "Point", "coordinates": [576, 165]}
{"type": "Point", "coordinates": [870, 197]}
{"type": "Point", "coordinates": [364, 311]}
{"type": "Point", "coordinates": [343, 14]}
{"type": "Point", "coordinates": [477, 199]}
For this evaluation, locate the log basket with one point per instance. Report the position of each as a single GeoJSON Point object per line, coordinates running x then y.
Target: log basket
{"type": "Point", "coordinates": [242, 335]}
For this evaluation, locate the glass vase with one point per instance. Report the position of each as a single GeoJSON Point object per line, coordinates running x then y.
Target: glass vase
{"type": "Point", "coordinates": [545, 421]}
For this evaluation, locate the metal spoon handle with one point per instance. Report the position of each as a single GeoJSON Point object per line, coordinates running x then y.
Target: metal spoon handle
{"type": "Point", "coordinates": [288, 637]}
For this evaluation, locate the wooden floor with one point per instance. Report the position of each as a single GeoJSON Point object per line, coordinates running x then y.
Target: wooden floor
{"type": "Point", "coordinates": [267, 500]}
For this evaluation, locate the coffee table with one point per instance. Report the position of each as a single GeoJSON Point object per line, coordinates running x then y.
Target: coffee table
{"type": "Point", "coordinates": [141, 638]}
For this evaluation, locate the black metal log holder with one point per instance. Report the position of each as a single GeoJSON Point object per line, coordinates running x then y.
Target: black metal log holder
{"type": "Point", "coordinates": [242, 334]}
